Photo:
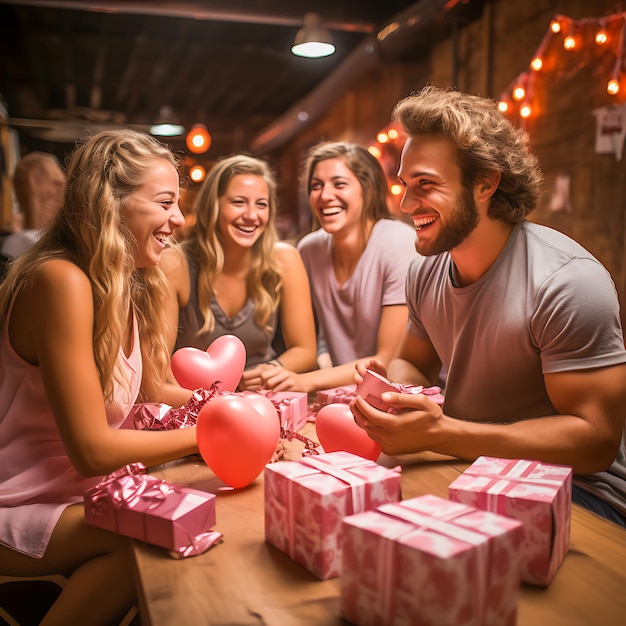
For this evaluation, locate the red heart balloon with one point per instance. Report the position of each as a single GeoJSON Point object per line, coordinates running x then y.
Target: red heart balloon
{"type": "Point", "coordinates": [223, 363]}
{"type": "Point", "coordinates": [262, 404]}
{"type": "Point", "coordinates": [236, 440]}
{"type": "Point", "coordinates": [337, 431]}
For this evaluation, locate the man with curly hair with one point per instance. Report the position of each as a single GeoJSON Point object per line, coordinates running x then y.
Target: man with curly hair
{"type": "Point", "coordinates": [523, 319]}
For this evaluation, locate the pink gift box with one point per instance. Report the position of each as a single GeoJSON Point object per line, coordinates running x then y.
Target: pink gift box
{"type": "Point", "coordinates": [336, 395]}
{"type": "Point", "coordinates": [144, 507]}
{"type": "Point", "coordinates": [373, 385]}
{"type": "Point", "coordinates": [429, 561]}
{"type": "Point", "coordinates": [537, 494]}
{"type": "Point", "coordinates": [292, 407]}
{"type": "Point", "coordinates": [305, 501]}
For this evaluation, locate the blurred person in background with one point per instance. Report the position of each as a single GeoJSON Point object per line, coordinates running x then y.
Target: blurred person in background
{"type": "Point", "coordinates": [39, 184]}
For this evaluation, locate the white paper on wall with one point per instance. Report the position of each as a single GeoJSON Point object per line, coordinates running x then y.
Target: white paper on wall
{"type": "Point", "coordinates": [610, 130]}
{"type": "Point", "coordinates": [560, 198]}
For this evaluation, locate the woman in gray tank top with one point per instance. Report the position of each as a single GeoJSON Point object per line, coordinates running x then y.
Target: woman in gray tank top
{"type": "Point", "coordinates": [233, 276]}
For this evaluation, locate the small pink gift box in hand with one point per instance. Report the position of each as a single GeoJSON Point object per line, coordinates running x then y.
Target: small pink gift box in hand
{"type": "Point", "coordinates": [430, 561]}
{"type": "Point", "coordinates": [133, 503]}
{"type": "Point", "coordinates": [374, 385]}
{"type": "Point", "coordinates": [305, 501]}
{"type": "Point", "coordinates": [537, 494]}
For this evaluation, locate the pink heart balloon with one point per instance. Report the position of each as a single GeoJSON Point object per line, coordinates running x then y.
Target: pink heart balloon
{"type": "Point", "coordinates": [236, 440]}
{"type": "Point", "coordinates": [262, 404]}
{"type": "Point", "coordinates": [222, 363]}
{"type": "Point", "coordinates": [337, 431]}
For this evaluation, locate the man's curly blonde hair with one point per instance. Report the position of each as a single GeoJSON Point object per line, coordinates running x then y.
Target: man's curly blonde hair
{"type": "Point", "coordinates": [486, 142]}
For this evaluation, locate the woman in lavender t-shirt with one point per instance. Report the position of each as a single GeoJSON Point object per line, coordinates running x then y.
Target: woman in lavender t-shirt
{"type": "Point", "coordinates": [357, 263]}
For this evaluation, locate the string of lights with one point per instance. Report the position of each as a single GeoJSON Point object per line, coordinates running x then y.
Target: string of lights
{"type": "Point", "coordinates": [580, 39]}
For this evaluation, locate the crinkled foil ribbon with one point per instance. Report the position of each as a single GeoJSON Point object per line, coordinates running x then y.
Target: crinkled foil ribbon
{"type": "Point", "coordinates": [414, 389]}
{"type": "Point", "coordinates": [339, 397]}
{"type": "Point", "coordinates": [310, 446]}
{"type": "Point", "coordinates": [128, 485]}
{"type": "Point", "coordinates": [147, 416]}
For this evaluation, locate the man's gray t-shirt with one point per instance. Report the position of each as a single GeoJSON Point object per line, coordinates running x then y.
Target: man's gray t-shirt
{"type": "Point", "coordinates": [546, 305]}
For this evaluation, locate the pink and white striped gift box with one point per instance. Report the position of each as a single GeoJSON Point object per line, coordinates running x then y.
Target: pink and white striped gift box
{"type": "Point", "coordinates": [305, 501]}
{"type": "Point", "coordinates": [429, 561]}
{"type": "Point", "coordinates": [537, 494]}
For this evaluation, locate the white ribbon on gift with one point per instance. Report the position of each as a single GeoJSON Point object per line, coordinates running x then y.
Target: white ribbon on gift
{"type": "Point", "coordinates": [422, 525]}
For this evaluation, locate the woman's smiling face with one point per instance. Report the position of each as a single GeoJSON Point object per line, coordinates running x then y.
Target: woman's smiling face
{"type": "Point", "coordinates": [151, 213]}
{"type": "Point", "coordinates": [244, 210]}
{"type": "Point", "coordinates": [335, 195]}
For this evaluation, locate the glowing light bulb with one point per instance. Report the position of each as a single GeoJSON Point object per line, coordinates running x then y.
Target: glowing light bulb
{"type": "Point", "coordinates": [375, 151]}
{"type": "Point", "coordinates": [197, 173]}
{"type": "Point", "coordinates": [198, 139]}
{"type": "Point", "coordinates": [536, 64]}
{"type": "Point", "coordinates": [382, 137]}
{"type": "Point", "coordinates": [525, 111]}
{"type": "Point", "coordinates": [393, 133]}
{"type": "Point", "coordinates": [503, 106]}
{"type": "Point", "coordinates": [601, 37]}
{"type": "Point", "coordinates": [612, 87]}
{"type": "Point", "coordinates": [396, 190]}
{"type": "Point", "coordinates": [569, 43]}
{"type": "Point", "coordinates": [518, 93]}
{"type": "Point", "coordinates": [555, 26]}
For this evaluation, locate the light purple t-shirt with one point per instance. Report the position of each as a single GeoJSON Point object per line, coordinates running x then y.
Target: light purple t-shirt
{"type": "Point", "coordinates": [349, 314]}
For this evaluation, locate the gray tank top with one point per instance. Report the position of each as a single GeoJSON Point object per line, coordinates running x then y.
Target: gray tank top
{"type": "Point", "coordinates": [258, 342]}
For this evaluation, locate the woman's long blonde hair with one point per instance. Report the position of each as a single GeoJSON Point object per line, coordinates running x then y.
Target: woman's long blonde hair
{"type": "Point", "coordinates": [264, 279]}
{"type": "Point", "coordinates": [88, 230]}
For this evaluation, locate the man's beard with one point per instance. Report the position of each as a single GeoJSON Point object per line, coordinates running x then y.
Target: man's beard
{"type": "Point", "coordinates": [462, 220]}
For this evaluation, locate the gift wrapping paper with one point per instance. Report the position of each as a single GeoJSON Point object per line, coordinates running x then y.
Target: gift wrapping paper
{"type": "Point", "coordinates": [336, 395]}
{"type": "Point", "coordinates": [374, 384]}
{"type": "Point", "coordinates": [138, 505]}
{"type": "Point", "coordinates": [292, 408]}
{"type": "Point", "coordinates": [430, 561]}
{"type": "Point", "coordinates": [537, 494]}
{"type": "Point", "coordinates": [305, 501]}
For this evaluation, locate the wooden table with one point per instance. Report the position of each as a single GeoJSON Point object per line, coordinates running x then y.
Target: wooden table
{"type": "Point", "coordinates": [246, 581]}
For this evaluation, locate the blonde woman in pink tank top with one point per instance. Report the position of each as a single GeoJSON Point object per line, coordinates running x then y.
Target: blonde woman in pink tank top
{"type": "Point", "coordinates": [72, 311]}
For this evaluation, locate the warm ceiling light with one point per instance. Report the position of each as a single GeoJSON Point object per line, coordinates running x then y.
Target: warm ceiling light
{"type": "Point", "coordinates": [198, 139]}
{"type": "Point", "coordinates": [313, 40]}
{"type": "Point", "coordinates": [197, 173]}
